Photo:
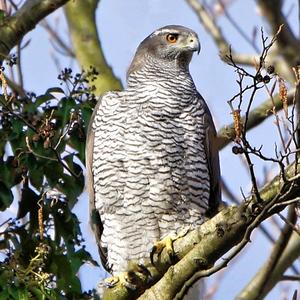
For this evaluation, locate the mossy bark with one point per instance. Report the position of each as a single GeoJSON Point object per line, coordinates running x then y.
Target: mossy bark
{"type": "Point", "coordinates": [87, 46]}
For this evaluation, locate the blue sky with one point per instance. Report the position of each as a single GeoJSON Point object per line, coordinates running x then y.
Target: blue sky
{"type": "Point", "coordinates": [122, 25]}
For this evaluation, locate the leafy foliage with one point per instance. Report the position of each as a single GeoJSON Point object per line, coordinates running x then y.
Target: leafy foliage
{"type": "Point", "coordinates": [42, 140]}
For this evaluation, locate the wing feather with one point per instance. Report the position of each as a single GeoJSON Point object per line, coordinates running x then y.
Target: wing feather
{"type": "Point", "coordinates": [212, 154]}
{"type": "Point", "coordinates": [95, 220]}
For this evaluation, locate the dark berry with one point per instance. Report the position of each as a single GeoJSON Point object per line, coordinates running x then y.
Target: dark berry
{"type": "Point", "coordinates": [267, 79]}
{"type": "Point", "coordinates": [270, 69]}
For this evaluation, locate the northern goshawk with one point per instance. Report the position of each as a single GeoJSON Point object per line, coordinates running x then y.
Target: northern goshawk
{"type": "Point", "coordinates": [152, 159]}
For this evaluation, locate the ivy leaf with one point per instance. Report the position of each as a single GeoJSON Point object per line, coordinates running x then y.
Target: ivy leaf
{"type": "Point", "coordinates": [28, 202]}
{"type": "Point", "coordinates": [66, 105]}
{"type": "Point", "coordinates": [42, 99]}
{"type": "Point", "coordinates": [66, 225]}
{"type": "Point", "coordinates": [55, 90]}
{"type": "Point", "coordinates": [66, 278]}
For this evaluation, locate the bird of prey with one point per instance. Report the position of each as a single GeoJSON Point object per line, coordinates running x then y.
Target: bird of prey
{"type": "Point", "coordinates": [152, 159]}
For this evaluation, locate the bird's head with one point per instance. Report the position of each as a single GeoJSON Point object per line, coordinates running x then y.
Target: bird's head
{"type": "Point", "coordinates": [169, 44]}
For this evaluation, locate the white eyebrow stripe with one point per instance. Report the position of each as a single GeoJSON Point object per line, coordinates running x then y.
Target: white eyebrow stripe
{"type": "Point", "coordinates": [162, 31]}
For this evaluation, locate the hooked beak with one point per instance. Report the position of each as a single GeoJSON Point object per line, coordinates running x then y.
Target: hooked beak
{"type": "Point", "coordinates": [194, 44]}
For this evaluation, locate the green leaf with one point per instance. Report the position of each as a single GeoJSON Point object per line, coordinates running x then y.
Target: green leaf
{"type": "Point", "coordinates": [13, 291]}
{"type": "Point", "coordinates": [78, 144]}
{"type": "Point", "coordinates": [66, 105]}
{"type": "Point", "coordinates": [85, 256]}
{"type": "Point", "coordinates": [23, 294]}
{"type": "Point", "coordinates": [53, 171]}
{"type": "Point", "coordinates": [42, 99]}
{"type": "Point", "coordinates": [35, 167]}
{"type": "Point", "coordinates": [28, 202]}
{"type": "Point", "coordinates": [3, 141]}
{"type": "Point", "coordinates": [4, 294]}
{"type": "Point", "coordinates": [18, 126]}
{"type": "Point", "coordinates": [71, 187]}
{"type": "Point", "coordinates": [66, 225]}
{"type": "Point", "coordinates": [86, 113]}
{"type": "Point", "coordinates": [55, 90]}
{"type": "Point", "coordinates": [6, 196]}
{"type": "Point", "coordinates": [36, 177]}
{"type": "Point", "coordinates": [66, 278]}
{"type": "Point", "coordinates": [76, 168]}
{"type": "Point", "coordinates": [3, 245]}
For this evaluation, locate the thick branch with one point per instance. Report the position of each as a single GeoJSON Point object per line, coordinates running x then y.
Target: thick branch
{"type": "Point", "coordinates": [256, 116]}
{"type": "Point", "coordinates": [265, 273]}
{"type": "Point", "coordinates": [13, 28]}
{"type": "Point", "coordinates": [201, 248]}
{"type": "Point", "coordinates": [216, 237]}
{"type": "Point", "coordinates": [290, 254]}
{"type": "Point", "coordinates": [87, 47]}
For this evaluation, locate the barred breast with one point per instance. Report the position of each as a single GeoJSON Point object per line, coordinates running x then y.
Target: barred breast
{"type": "Point", "coordinates": [150, 168]}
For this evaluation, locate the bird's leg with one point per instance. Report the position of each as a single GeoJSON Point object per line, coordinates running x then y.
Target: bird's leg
{"type": "Point", "coordinates": [158, 247]}
{"type": "Point", "coordinates": [167, 243]}
{"type": "Point", "coordinates": [122, 278]}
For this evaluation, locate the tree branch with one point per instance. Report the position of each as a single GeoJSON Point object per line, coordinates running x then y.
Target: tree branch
{"type": "Point", "coordinates": [87, 46]}
{"type": "Point", "coordinates": [201, 248]}
{"type": "Point", "coordinates": [288, 44]}
{"type": "Point", "coordinates": [289, 255]}
{"type": "Point", "coordinates": [13, 28]}
{"type": "Point", "coordinates": [255, 117]}
{"type": "Point", "coordinates": [265, 273]}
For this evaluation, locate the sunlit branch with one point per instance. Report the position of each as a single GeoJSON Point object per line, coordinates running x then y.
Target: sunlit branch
{"type": "Point", "coordinates": [23, 21]}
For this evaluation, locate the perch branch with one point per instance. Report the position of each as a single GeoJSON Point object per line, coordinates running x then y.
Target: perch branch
{"type": "Point", "coordinates": [201, 248]}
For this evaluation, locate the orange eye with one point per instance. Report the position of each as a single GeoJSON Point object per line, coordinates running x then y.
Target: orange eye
{"type": "Point", "coordinates": [172, 38]}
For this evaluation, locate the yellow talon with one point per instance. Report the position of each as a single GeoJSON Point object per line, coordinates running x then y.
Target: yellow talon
{"type": "Point", "coordinates": [167, 243]}
{"type": "Point", "coordinates": [122, 278]}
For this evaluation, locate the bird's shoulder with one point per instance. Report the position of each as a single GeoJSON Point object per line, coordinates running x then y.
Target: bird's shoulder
{"type": "Point", "coordinates": [109, 104]}
{"type": "Point", "coordinates": [110, 99]}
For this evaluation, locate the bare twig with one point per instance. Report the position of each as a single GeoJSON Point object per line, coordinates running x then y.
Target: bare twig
{"type": "Point", "coordinates": [57, 39]}
{"type": "Point", "coordinates": [216, 33]}
{"type": "Point", "coordinates": [272, 11]}
{"type": "Point", "coordinates": [255, 117]}
{"type": "Point", "coordinates": [287, 221]}
{"type": "Point", "coordinates": [36, 154]}
{"type": "Point", "coordinates": [290, 278]}
{"type": "Point", "coordinates": [19, 66]}
{"type": "Point", "coordinates": [237, 26]}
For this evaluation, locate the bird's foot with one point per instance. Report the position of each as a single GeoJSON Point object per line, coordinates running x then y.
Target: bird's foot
{"type": "Point", "coordinates": [158, 247]}
{"type": "Point", "coordinates": [167, 243]}
{"type": "Point", "coordinates": [123, 278]}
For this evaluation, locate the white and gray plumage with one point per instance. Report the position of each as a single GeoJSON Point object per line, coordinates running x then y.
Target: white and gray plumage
{"type": "Point", "coordinates": [153, 166]}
